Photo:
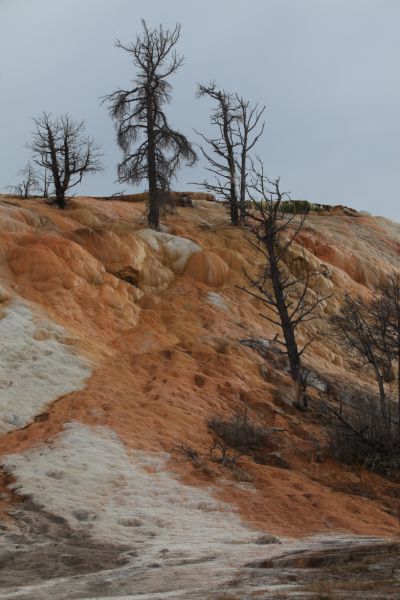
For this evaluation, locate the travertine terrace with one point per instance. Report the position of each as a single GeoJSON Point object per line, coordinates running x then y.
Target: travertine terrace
{"type": "Point", "coordinates": [117, 344]}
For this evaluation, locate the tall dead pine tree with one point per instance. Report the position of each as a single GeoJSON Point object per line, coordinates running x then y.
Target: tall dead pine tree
{"type": "Point", "coordinates": [272, 232]}
{"type": "Point", "coordinates": [152, 150]}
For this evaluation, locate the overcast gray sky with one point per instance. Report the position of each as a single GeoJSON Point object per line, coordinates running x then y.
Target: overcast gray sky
{"type": "Point", "coordinates": [327, 70]}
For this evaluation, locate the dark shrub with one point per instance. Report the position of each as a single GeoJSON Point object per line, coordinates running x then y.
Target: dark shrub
{"type": "Point", "coordinates": [367, 439]}
{"type": "Point", "coordinates": [239, 432]}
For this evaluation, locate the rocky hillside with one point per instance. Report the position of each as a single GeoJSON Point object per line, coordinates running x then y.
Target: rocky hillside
{"type": "Point", "coordinates": [117, 345]}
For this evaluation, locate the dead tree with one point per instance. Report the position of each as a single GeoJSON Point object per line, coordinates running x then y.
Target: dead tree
{"type": "Point", "coordinates": [221, 154]}
{"type": "Point", "coordinates": [390, 296]}
{"type": "Point", "coordinates": [272, 232]}
{"type": "Point", "coordinates": [44, 183]}
{"type": "Point", "coordinates": [152, 150]}
{"type": "Point", "coordinates": [249, 118]}
{"type": "Point", "coordinates": [227, 153]}
{"type": "Point", "coordinates": [371, 332]}
{"type": "Point", "coordinates": [29, 182]}
{"type": "Point", "coordinates": [60, 147]}
{"type": "Point", "coordinates": [362, 329]}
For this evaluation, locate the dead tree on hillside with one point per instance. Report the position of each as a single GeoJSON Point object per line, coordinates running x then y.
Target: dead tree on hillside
{"type": "Point", "coordinates": [391, 297]}
{"type": "Point", "coordinates": [272, 232]}
{"type": "Point", "coordinates": [249, 118]}
{"type": "Point", "coordinates": [370, 330]}
{"type": "Point", "coordinates": [362, 329]}
{"type": "Point", "coordinates": [44, 182]}
{"type": "Point", "coordinates": [60, 148]}
{"type": "Point", "coordinates": [221, 154]}
{"type": "Point", "coordinates": [227, 153]}
{"type": "Point", "coordinates": [152, 150]}
{"type": "Point", "coordinates": [29, 182]}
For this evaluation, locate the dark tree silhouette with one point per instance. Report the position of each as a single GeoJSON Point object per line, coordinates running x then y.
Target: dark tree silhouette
{"type": "Point", "coordinates": [29, 182]}
{"type": "Point", "coordinates": [362, 329]}
{"type": "Point", "coordinates": [272, 232]}
{"type": "Point", "coordinates": [391, 297]}
{"type": "Point", "coordinates": [249, 118]}
{"type": "Point", "coordinates": [44, 182]}
{"type": "Point", "coordinates": [152, 150]}
{"type": "Point", "coordinates": [370, 331]}
{"type": "Point", "coordinates": [60, 148]}
{"type": "Point", "coordinates": [227, 153]}
{"type": "Point", "coordinates": [220, 152]}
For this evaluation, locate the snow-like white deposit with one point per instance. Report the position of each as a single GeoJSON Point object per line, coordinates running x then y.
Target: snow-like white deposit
{"type": "Point", "coordinates": [36, 366]}
{"type": "Point", "coordinates": [172, 250]}
{"type": "Point", "coordinates": [86, 475]}
{"type": "Point", "coordinates": [216, 300]}
{"type": "Point", "coordinates": [176, 541]}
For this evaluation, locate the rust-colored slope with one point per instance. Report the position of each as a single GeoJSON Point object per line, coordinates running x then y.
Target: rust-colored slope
{"type": "Point", "coordinates": [166, 351]}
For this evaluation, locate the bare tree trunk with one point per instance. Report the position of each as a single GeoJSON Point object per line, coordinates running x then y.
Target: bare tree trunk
{"type": "Point", "coordinates": [153, 216]}
{"type": "Point", "coordinates": [46, 182]}
{"type": "Point", "coordinates": [243, 175]}
{"type": "Point", "coordinates": [382, 394]}
{"type": "Point", "coordinates": [287, 326]}
{"type": "Point", "coordinates": [234, 209]}
{"type": "Point", "coordinates": [60, 196]}
{"type": "Point", "coordinates": [248, 123]}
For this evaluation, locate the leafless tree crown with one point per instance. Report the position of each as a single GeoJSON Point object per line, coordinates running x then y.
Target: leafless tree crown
{"type": "Point", "coordinates": [238, 128]}
{"type": "Point", "coordinates": [29, 182]}
{"type": "Point", "coordinates": [61, 149]}
{"type": "Point", "coordinates": [152, 150]}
